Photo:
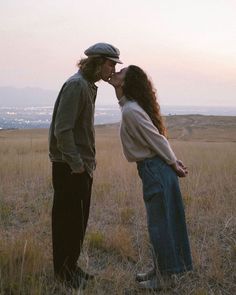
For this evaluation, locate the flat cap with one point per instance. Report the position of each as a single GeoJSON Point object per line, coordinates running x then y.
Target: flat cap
{"type": "Point", "coordinates": [104, 49]}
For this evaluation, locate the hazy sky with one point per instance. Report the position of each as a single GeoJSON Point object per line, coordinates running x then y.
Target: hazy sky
{"type": "Point", "coordinates": [187, 47]}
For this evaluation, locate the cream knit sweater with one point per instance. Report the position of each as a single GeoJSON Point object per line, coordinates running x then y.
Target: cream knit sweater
{"type": "Point", "coordinates": [139, 136]}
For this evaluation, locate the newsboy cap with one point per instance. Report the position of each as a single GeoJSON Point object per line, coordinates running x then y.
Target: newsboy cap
{"type": "Point", "coordinates": [104, 49]}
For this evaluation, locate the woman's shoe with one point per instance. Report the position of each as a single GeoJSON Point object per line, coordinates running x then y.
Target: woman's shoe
{"type": "Point", "coordinates": [153, 284]}
{"type": "Point", "coordinates": [140, 277]}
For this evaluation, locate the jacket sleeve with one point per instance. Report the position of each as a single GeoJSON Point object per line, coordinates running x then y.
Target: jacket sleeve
{"type": "Point", "coordinates": [144, 131]}
{"type": "Point", "coordinates": [69, 109]}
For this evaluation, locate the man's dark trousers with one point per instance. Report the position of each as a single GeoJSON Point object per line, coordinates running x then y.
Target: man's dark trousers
{"type": "Point", "coordinates": [70, 212]}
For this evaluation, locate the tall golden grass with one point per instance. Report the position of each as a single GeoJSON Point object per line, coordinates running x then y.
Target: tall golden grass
{"type": "Point", "coordinates": [116, 244]}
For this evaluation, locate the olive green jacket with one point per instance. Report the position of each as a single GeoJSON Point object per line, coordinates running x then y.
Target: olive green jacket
{"type": "Point", "coordinates": [71, 134]}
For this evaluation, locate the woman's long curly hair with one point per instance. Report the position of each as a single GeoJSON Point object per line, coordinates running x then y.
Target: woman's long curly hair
{"type": "Point", "coordinates": [91, 67]}
{"type": "Point", "coordinates": [138, 87]}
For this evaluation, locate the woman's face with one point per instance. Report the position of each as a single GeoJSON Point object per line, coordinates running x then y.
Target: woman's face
{"type": "Point", "coordinates": [117, 79]}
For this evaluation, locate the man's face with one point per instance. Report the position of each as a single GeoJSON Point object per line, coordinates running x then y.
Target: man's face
{"type": "Point", "coordinates": [107, 69]}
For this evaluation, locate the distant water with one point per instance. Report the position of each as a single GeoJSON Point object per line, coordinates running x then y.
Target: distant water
{"type": "Point", "coordinates": [40, 117]}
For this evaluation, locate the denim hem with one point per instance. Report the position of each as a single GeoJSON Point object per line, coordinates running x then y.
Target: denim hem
{"type": "Point", "coordinates": [176, 270]}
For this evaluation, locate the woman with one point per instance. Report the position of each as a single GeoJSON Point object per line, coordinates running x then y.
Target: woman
{"type": "Point", "coordinates": [143, 137]}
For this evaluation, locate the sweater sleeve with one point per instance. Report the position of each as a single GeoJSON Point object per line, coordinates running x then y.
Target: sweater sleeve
{"type": "Point", "coordinates": [141, 128]}
{"type": "Point", "coordinates": [69, 109]}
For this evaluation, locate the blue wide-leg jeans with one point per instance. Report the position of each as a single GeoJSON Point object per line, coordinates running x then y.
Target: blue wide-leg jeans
{"type": "Point", "coordinates": [165, 216]}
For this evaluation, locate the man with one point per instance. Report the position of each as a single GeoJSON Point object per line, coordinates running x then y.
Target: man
{"type": "Point", "coordinates": [72, 152]}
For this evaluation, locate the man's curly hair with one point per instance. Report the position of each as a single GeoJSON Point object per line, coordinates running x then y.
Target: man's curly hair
{"type": "Point", "coordinates": [91, 67]}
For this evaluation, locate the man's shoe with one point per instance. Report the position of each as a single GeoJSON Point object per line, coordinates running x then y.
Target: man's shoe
{"type": "Point", "coordinates": [75, 283]}
{"type": "Point", "coordinates": [86, 276]}
{"type": "Point", "coordinates": [140, 277]}
{"type": "Point", "coordinates": [153, 284]}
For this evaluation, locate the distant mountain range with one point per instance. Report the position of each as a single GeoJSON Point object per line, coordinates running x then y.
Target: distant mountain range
{"type": "Point", "coordinates": [24, 97]}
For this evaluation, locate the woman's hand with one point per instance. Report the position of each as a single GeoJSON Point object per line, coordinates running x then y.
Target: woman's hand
{"type": "Point", "coordinates": [180, 169]}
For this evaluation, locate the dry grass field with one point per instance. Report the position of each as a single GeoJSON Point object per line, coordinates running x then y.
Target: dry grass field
{"type": "Point", "coordinates": [116, 244]}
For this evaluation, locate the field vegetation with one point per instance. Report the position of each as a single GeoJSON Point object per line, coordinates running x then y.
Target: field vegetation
{"type": "Point", "coordinates": [116, 244]}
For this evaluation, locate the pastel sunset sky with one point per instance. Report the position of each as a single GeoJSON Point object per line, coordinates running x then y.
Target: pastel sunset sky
{"type": "Point", "coordinates": [187, 47]}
